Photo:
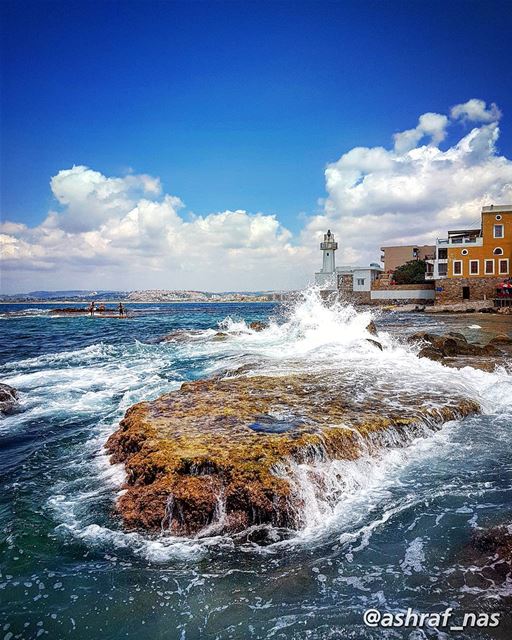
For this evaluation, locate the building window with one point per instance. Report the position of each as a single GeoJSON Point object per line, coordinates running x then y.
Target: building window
{"type": "Point", "coordinates": [442, 269]}
{"type": "Point", "coordinates": [474, 267]}
{"type": "Point", "coordinates": [489, 267]}
{"type": "Point", "coordinates": [457, 267]}
{"type": "Point", "coordinates": [503, 267]}
{"type": "Point", "coordinates": [360, 281]}
{"type": "Point", "coordinates": [498, 251]}
{"type": "Point", "coordinates": [498, 231]}
{"type": "Point", "coordinates": [464, 252]}
{"type": "Point", "coordinates": [498, 217]}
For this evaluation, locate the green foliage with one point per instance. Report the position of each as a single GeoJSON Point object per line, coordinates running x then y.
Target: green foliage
{"type": "Point", "coordinates": [412, 272]}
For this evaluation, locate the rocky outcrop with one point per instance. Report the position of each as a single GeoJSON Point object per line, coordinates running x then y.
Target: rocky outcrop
{"type": "Point", "coordinates": [501, 340]}
{"type": "Point", "coordinates": [185, 335]}
{"type": "Point", "coordinates": [218, 454]}
{"type": "Point", "coordinates": [68, 311]}
{"type": "Point", "coordinates": [372, 328]}
{"type": "Point", "coordinates": [481, 306]}
{"type": "Point", "coordinates": [257, 325]}
{"type": "Point", "coordinates": [452, 349]}
{"type": "Point", "coordinates": [8, 398]}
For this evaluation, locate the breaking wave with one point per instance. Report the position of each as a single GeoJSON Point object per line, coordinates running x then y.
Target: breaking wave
{"type": "Point", "coordinates": [96, 384]}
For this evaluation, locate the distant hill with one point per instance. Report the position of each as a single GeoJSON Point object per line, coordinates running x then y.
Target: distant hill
{"type": "Point", "coordinates": [74, 293]}
{"type": "Point", "coordinates": [151, 295]}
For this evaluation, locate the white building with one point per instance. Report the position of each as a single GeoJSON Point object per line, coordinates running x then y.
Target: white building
{"type": "Point", "coordinates": [346, 279]}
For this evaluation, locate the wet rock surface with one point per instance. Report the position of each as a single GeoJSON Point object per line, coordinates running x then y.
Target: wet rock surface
{"type": "Point", "coordinates": [257, 325]}
{"type": "Point", "coordinates": [217, 456]}
{"type": "Point", "coordinates": [495, 542]}
{"type": "Point", "coordinates": [453, 350]}
{"type": "Point", "coordinates": [8, 398]}
{"type": "Point", "coordinates": [489, 554]}
{"type": "Point", "coordinates": [68, 311]}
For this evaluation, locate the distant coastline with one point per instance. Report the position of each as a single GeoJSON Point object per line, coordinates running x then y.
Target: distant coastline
{"type": "Point", "coordinates": [132, 302]}
{"type": "Point", "coordinates": [150, 296]}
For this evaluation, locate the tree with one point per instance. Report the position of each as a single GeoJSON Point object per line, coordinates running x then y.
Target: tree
{"type": "Point", "coordinates": [412, 272]}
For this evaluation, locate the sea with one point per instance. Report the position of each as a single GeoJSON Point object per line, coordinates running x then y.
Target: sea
{"type": "Point", "coordinates": [391, 532]}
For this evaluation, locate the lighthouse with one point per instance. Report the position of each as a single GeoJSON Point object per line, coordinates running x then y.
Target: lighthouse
{"type": "Point", "coordinates": [328, 246]}
{"type": "Point", "coordinates": [326, 276]}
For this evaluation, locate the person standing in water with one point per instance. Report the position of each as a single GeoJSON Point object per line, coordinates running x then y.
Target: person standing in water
{"type": "Point", "coordinates": [121, 309]}
{"type": "Point", "coordinates": [91, 308]}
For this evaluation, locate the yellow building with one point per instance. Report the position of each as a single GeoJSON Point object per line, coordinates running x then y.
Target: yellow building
{"type": "Point", "coordinates": [470, 263]}
{"type": "Point", "coordinates": [484, 252]}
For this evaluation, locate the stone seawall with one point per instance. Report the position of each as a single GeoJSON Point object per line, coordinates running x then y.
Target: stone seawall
{"type": "Point", "coordinates": [451, 290]}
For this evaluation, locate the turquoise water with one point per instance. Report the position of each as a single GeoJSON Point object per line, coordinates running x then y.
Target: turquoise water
{"type": "Point", "coordinates": [395, 537]}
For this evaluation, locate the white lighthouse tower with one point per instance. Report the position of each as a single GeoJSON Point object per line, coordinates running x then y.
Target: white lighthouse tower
{"type": "Point", "coordinates": [326, 278]}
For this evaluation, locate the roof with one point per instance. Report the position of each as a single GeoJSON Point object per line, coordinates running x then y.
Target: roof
{"type": "Point", "coordinates": [408, 246]}
{"type": "Point", "coordinates": [464, 232]}
{"type": "Point", "coordinates": [497, 208]}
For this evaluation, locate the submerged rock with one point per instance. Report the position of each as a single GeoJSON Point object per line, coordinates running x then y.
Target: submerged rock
{"type": "Point", "coordinates": [181, 335]}
{"type": "Point", "coordinates": [218, 455]}
{"type": "Point", "coordinates": [8, 398]}
{"type": "Point", "coordinates": [496, 542]}
{"type": "Point", "coordinates": [220, 336]}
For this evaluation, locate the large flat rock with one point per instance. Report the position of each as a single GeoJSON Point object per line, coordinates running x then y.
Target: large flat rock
{"type": "Point", "coordinates": [217, 454]}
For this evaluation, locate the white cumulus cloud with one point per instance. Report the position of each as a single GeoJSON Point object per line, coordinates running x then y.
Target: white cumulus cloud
{"type": "Point", "coordinates": [412, 192]}
{"type": "Point", "coordinates": [112, 232]}
{"type": "Point", "coordinates": [126, 233]}
{"type": "Point", "coordinates": [476, 110]}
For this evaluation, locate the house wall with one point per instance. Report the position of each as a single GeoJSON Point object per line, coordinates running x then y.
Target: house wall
{"type": "Point", "coordinates": [486, 251]}
{"type": "Point", "coordinates": [362, 274]}
{"type": "Point", "coordinates": [396, 293]}
{"type": "Point", "coordinates": [451, 289]}
{"type": "Point", "coordinates": [383, 284]}
{"type": "Point", "coordinates": [396, 256]}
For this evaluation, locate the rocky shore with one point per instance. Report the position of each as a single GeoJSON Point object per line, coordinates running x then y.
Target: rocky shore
{"type": "Point", "coordinates": [453, 350]}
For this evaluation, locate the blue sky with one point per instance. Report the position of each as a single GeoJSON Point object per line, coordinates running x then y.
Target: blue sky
{"type": "Point", "coordinates": [233, 105]}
